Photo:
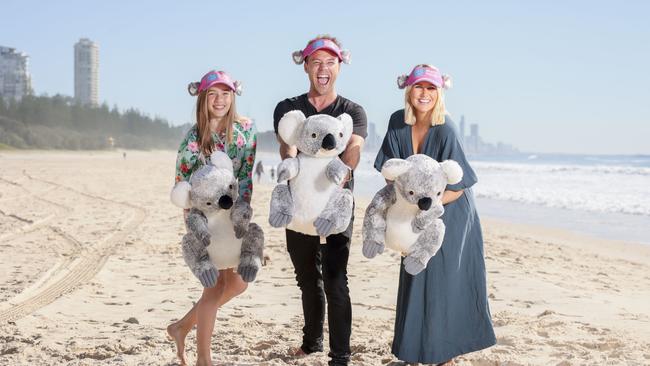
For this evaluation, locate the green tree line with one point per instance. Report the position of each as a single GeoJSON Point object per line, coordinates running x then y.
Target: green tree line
{"type": "Point", "coordinates": [57, 122]}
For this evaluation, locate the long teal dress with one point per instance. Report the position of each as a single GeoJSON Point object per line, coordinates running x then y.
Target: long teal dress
{"type": "Point", "coordinates": [443, 311]}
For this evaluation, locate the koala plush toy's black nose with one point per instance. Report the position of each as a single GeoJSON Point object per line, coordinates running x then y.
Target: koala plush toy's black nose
{"type": "Point", "coordinates": [329, 142]}
{"type": "Point", "coordinates": [424, 203]}
{"type": "Point", "coordinates": [225, 202]}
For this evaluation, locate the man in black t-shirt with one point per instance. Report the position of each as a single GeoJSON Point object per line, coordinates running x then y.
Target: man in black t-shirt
{"type": "Point", "coordinates": [321, 270]}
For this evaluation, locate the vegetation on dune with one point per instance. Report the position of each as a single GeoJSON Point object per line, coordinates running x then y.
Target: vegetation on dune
{"type": "Point", "coordinates": [58, 122]}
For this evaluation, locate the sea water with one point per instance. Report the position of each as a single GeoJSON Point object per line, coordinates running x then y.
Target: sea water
{"type": "Point", "coordinates": [604, 196]}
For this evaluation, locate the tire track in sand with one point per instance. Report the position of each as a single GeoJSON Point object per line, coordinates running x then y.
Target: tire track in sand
{"type": "Point", "coordinates": [31, 225]}
{"type": "Point", "coordinates": [83, 268]}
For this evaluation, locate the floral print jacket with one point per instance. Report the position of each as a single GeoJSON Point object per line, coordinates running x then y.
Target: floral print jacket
{"type": "Point", "coordinates": [241, 150]}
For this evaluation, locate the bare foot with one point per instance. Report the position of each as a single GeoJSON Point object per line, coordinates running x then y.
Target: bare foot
{"type": "Point", "coordinates": [201, 362]}
{"type": "Point", "coordinates": [447, 363]}
{"type": "Point", "coordinates": [178, 336]}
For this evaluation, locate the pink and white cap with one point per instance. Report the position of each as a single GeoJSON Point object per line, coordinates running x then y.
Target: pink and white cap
{"type": "Point", "coordinates": [424, 73]}
{"type": "Point", "coordinates": [321, 44]}
{"type": "Point", "coordinates": [213, 78]}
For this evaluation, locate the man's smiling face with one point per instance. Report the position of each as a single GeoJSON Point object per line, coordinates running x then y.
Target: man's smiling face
{"type": "Point", "coordinates": [322, 67]}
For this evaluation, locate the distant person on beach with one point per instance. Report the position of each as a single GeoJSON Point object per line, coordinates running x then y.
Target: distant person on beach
{"type": "Point", "coordinates": [273, 173]}
{"type": "Point", "coordinates": [443, 311]}
{"type": "Point", "coordinates": [124, 155]}
{"type": "Point", "coordinates": [321, 270]}
{"type": "Point", "coordinates": [259, 170]}
{"type": "Point", "coordinates": [218, 128]}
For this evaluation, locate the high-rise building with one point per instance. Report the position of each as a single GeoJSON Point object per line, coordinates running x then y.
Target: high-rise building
{"type": "Point", "coordinates": [462, 129]}
{"type": "Point", "coordinates": [474, 141]}
{"type": "Point", "coordinates": [371, 139]}
{"type": "Point", "coordinates": [86, 72]}
{"type": "Point", "coordinates": [15, 81]}
{"type": "Point", "coordinates": [473, 130]}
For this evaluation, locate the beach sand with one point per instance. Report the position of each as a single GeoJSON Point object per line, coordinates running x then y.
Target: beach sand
{"type": "Point", "coordinates": [91, 273]}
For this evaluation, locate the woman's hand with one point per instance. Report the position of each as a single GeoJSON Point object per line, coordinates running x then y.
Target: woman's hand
{"type": "Point", "coordinates": [447, 197]}
{"type": "Point", "coordinates": [451, 196]}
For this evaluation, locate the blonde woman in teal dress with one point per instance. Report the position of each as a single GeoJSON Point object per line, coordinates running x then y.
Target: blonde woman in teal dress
{"type": "Point", "coordinates": [443, 311]}
{"type": "Point", "coordinates": [218, 128]}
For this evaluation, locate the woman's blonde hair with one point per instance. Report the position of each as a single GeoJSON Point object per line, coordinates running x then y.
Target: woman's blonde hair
{"type": "Point", "coordinates": [203, 132]}
{"type": "Point", "coordinates": [437, 114]}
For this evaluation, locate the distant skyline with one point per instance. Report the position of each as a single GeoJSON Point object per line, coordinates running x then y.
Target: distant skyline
{"type": "Point", "coordinates": [551, 76]}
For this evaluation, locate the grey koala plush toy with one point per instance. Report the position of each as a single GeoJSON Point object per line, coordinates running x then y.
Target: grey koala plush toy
{"type": "Point", "coordinates": [219, 232]}
{"type": "Point", "coordinates": [313, 201]}
{"type": "Point", "coordinates": [405, 214]}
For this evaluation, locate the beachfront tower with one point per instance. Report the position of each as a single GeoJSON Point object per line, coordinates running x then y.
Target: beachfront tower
{"type": "Point", "coordinates": [15, 81]}
{"type": "Point", "coordinates": [86, 72]}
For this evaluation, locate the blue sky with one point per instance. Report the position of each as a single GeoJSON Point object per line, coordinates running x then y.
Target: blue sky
{"type": "Point", "coordinates": [548, 76]}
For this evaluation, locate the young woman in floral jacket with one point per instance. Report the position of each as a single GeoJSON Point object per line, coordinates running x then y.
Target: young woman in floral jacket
{"type": "Point", "coordinates": [218, 128]}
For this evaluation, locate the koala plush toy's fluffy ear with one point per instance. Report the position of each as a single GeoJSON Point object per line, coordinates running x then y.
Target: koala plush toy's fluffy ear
{"type": "Point", "coordinates": [221, 160]}
{"type": "Point", "coordinates": [452, 170]}
{"type": "Point", "coordinates": [393, 168]}
{"type": "Point", "coordinates": [289, 126]}
{"type": "Point", "coordinates": [347, 125]}
{"type": "Point", "coordinates": [180, 194]}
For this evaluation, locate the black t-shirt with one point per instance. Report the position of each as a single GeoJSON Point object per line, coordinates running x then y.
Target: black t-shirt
{"type": "Point", "coordinates": [339, 106]}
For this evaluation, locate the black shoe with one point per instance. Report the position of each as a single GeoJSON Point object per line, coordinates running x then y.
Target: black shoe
{"type": "Point", "coordinates": [337, 363]}
{"type": "Point", "coordinates": [310, 350]}
{"type": "Point", "coordinates": [337, 360]}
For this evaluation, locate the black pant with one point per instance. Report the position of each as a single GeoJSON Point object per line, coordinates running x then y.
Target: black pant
{"type": "Point", "coordinates": [317, 265]}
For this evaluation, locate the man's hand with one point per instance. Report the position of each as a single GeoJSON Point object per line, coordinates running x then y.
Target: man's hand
{"type": "Point", "coordinates": [352, 153]}
{"type": "Point", "coordinates": [287, 151]}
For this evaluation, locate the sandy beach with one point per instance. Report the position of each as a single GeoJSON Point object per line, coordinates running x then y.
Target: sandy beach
{"type": "Point", "coordinates": [91, 273]}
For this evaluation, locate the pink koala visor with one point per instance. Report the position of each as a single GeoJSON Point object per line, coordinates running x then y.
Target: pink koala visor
{"type": "Point", "coordinates": [321, 44]}
{"type": "Point", "coordinates": [424, 73]}
{"type": "Point", "coordinates": [211, 79]}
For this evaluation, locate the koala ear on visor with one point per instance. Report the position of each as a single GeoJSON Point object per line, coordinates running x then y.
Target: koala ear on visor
{"type": "Point", "coordinates": [346, 57]}
{"type": "Point", "coordinates": [401, 81]}
{"type": "Point", "coordinates": [298, 58]}
{"type": "Point", "coordinates": [238, 87]}
{"type": "Point", "coordinates": [446, 82]}
{"type": "Point", "coordinates": [193, 88]}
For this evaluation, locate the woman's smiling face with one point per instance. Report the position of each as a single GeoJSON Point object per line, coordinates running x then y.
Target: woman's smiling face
{"type": "Point", "coordinates": [219, 100]}
{"type": "Point", "coordinates": [423, 96]}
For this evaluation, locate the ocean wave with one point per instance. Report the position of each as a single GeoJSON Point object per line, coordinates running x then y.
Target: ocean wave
{"type": "Point", "coordinates": [596, 188]}
{"type": "Point", "coordinates": [552, 168]}
{"type": "Point", "coordinates": [582, 204]}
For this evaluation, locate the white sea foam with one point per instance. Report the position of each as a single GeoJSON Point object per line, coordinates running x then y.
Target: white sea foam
{"type": "Point", "coordinates": [597, 188]}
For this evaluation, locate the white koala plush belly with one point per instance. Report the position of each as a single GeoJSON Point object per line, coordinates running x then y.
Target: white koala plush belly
{"type": "Point", "coordinates": [224, 249]}
{"type": "Point", "coordinates": [310, 191]}
{"type": "Point", "coordinates": [399, 233]}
